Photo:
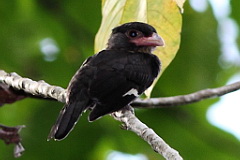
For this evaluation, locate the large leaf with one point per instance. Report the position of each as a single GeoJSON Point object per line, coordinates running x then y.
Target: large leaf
{"type": "Point", "coordinates": [164, 15]}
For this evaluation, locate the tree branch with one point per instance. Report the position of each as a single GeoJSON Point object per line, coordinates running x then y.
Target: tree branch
{"type": "Point", "coordinates": [41, 89]}
{"type": "Point", "coordinates": [132, 123]}
{"type": "Point", "coordinates": [38, 89]}
{"type": "Point", "coordinates": [126, 116]}
{"type": "Point", "coordinates": [186, 99]}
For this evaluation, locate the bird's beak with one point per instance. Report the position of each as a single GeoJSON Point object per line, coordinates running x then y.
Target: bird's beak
{"type": "Point", "coordinates": [154, 40]}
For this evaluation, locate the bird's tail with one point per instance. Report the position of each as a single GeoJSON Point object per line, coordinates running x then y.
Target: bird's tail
{"type": "Point", "coordinates": [67, 119]}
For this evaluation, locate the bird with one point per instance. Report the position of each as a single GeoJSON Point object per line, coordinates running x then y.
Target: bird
{"type": "Point", "coordinates": [111, 79]}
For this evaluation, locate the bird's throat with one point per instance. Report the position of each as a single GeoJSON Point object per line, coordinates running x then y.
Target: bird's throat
{"type": "Point", "coordinates": [145, 49]}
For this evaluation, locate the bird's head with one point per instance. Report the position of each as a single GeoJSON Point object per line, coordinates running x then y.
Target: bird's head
{"type": "Point", "coordinates": [135, 36]}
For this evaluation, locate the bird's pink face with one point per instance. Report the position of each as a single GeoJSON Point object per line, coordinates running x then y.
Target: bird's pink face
{"type": "Point", "coordinates": [139, 39]}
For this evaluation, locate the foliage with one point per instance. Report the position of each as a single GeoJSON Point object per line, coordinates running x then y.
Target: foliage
{"type": "Point", "coordinates": [71, 26]}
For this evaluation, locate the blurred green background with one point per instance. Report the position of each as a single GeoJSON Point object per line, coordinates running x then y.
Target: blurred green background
{"type": "Point", "coordinates": [49, 40]}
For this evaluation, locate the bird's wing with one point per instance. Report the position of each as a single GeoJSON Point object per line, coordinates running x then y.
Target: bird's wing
{"type": "Point", "coordinates": [119, 67]}
{"type": "Point", "coordinates": [77, 101]}
{"type": "Point", "coordinates": [120, 77]}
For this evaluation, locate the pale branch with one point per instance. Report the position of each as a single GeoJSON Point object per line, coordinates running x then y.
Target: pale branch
{"type": "Point", "coordinates": [185, 99]}
{"type": "Point", "coordinates": [126, 116]}
{"type": "Point", "coordinates": [132, 123]}
{"type": "Point", "coordinates": [37, 89]}
{"type": "Point", "coordinates": [41, 89]}
{"type": "Point", "coordinates": [44, 90]}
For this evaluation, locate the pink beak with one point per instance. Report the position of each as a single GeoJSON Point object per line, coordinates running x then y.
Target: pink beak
{"type": "Point", "coordinates": [153, 40]}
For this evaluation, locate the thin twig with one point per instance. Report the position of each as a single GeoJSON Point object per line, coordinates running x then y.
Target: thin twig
{"type": "Point", "coordinates": [185, 99]}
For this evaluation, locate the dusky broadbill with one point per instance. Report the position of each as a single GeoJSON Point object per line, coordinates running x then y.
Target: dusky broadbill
{"type": "Point", "coordinates": [111, 79]}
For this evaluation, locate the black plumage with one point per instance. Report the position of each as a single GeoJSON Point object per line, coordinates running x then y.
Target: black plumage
{"type": "Point", "coordinates": [113, 78]}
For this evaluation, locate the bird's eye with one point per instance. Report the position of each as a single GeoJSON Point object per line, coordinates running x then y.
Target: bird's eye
{"type": "Point", "coordinates": [133, 33]}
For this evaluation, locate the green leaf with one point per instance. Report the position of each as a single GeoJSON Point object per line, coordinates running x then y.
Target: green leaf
{"type": "Point", "coordinates": [163, 15]}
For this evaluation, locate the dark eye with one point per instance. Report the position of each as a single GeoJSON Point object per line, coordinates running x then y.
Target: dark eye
{"type": "Point", "coordinates": [134, 33]}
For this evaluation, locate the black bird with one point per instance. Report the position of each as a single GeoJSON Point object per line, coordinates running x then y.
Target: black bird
{"type": "Point", "coordinates": [111, 79]}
